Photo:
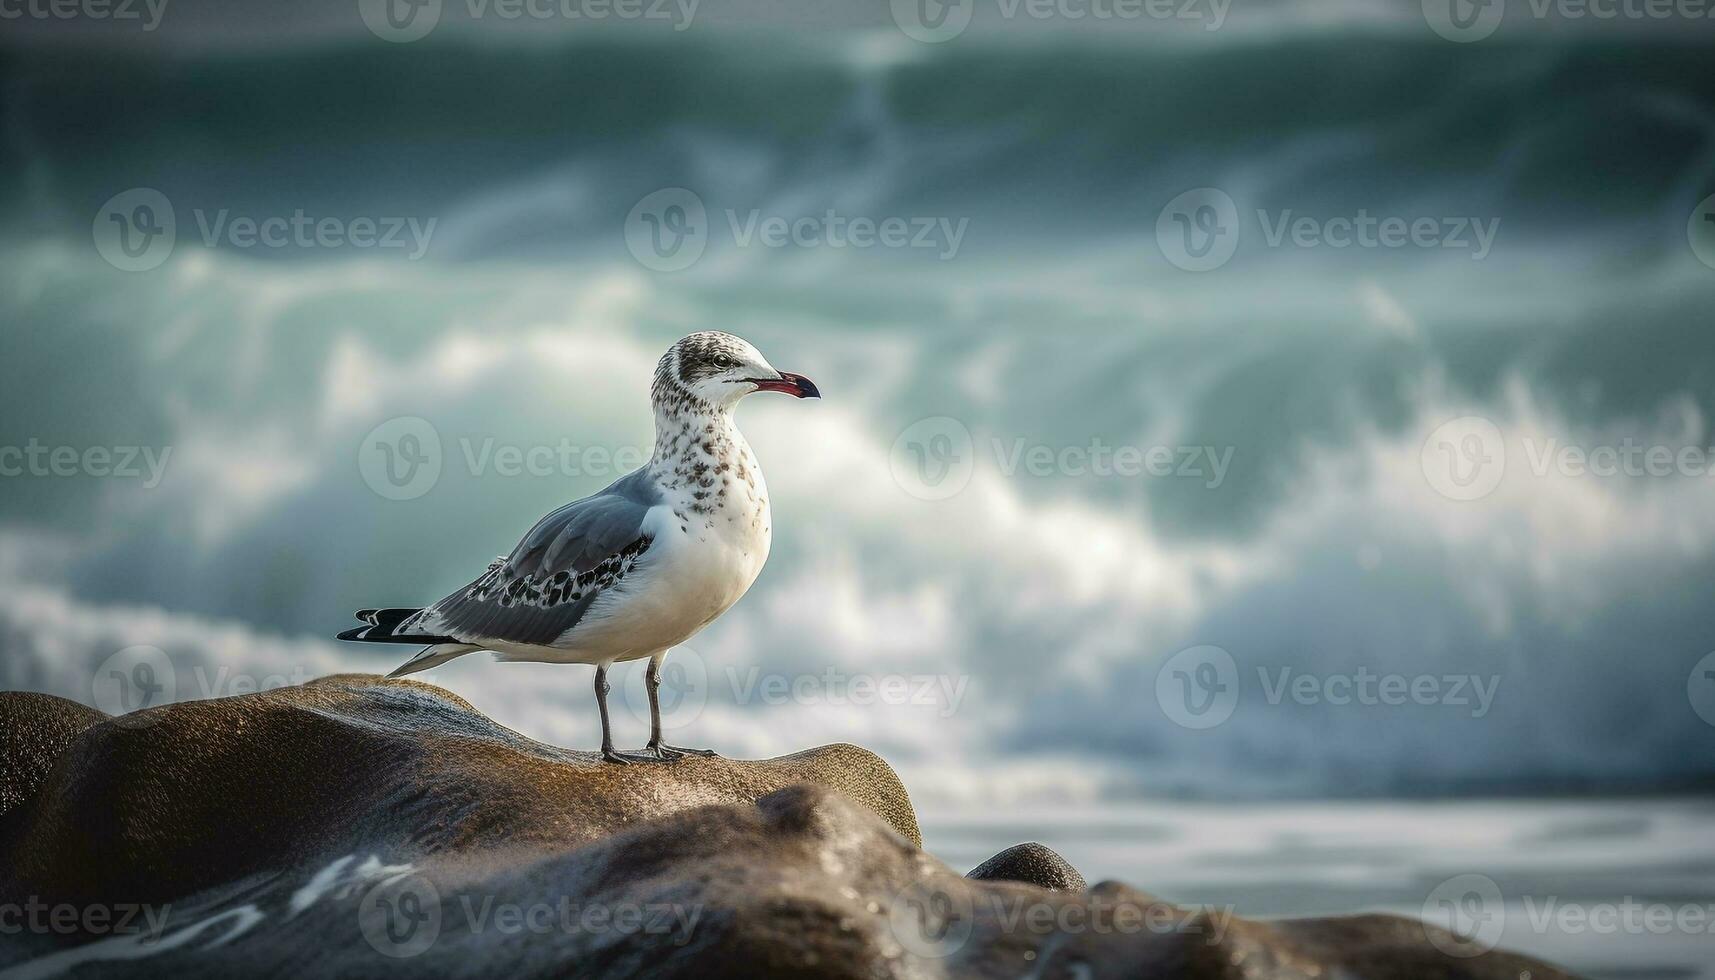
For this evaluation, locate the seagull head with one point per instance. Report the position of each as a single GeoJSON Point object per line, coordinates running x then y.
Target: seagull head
{"type": "Point", "coordinates": [718, 369]}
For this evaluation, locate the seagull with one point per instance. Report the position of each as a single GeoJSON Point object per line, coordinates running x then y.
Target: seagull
{"type": "Point", "coordinates": [637, 568]}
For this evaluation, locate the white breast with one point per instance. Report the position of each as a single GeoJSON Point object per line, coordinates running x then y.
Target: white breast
{"type": "Point", "coordinates": [705, 554]}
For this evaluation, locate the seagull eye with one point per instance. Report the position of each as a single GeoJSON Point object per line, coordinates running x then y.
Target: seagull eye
{"type": "Point", "coordinates": [723, 361]}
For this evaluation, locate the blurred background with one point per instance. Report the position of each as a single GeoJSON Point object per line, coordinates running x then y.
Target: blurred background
{"type": "Point", "coordinates": [1265, 452]}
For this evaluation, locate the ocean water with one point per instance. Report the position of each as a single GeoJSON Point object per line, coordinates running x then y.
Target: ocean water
{"type": "Point", "coordinates": [1610, 889]}
{"type": "Point", "coordinates": [1300, 384]}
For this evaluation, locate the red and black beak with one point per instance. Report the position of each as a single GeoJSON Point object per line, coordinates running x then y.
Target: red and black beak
{"type": "Point", "coordinates": [795, 385]}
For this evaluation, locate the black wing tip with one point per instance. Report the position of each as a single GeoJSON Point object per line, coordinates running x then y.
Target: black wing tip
{"type": "Point", "coordinates": [355, 633]}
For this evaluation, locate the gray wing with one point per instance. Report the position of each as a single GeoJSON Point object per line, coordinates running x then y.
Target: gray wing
{"type": "Point", "coordinates": [541, 590]}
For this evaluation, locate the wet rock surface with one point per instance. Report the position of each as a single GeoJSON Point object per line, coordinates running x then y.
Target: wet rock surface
{"type": "Point", "coordinates": [354, 826]}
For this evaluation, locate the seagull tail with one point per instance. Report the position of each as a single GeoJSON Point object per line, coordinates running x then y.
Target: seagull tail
{"type": "Point", "coordinates": [389, 626]}
{"type": "Point", "coordinates": [433, 656]}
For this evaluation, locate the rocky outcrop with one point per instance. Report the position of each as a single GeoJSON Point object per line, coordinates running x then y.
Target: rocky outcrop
{"type": "Point", "coordinates": [355, 826]}
{"type": "Point", "coordinates": [165, 802]}
{"type": "Point", "coordinates": [34, 730]}
{"type": "Point", "coordinates": [1033, 864]}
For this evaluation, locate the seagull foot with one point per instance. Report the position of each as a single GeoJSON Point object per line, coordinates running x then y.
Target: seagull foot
{"type": "Point", "coordinates": [681, 750]}
{"type": "Point", "coordinates": [622, 758]}
{"type": "Point", "coordinates": [666, 753]}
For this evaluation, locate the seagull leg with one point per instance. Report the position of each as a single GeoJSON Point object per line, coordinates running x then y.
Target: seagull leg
{"type": "Point", "coordinates": [652, 683]}
{"type": "Point", "coordinates": [607, 751]}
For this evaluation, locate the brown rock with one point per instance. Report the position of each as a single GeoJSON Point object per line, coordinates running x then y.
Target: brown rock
{"type": "Point", "coordinates": [34, 730]}
{"type": "Point", "coordinates": [1033, 864]}
{"type": "Point", "coordinates": [356, 827]}
{"type": "Point", "coordinates": [165, 802]}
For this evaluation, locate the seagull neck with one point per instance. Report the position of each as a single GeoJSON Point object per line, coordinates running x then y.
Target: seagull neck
{"type": "Point", "coordinates": [688, 434]}
{"type": "Point", "coordinates": [704, 466]}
